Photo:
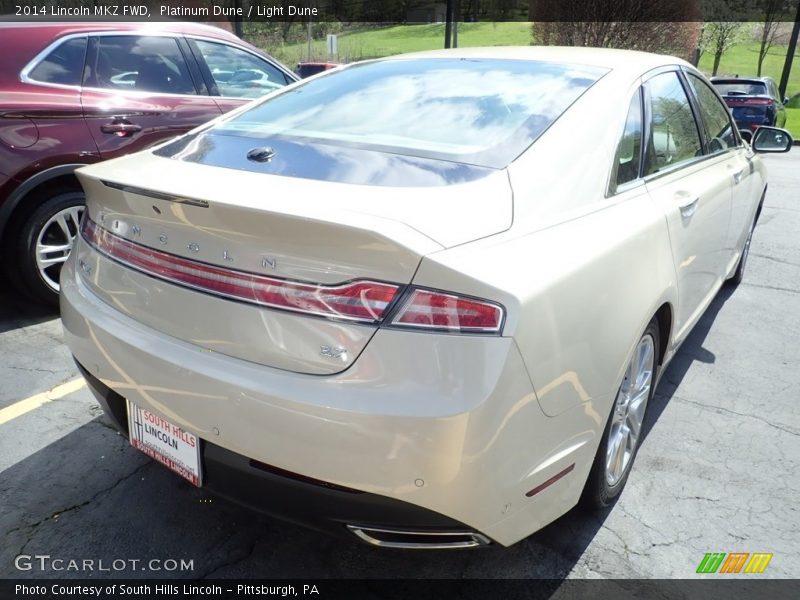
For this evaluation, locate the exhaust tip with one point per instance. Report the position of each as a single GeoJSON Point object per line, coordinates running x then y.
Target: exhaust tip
{"type": "Point", "coordinates": [419, 540]}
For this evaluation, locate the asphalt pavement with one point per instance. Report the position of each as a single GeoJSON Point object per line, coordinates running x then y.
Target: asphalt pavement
{"type": "Point", "coordinates": [718, 470]}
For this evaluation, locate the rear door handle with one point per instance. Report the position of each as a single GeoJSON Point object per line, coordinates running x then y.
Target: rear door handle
{"type": "Point", "coordinates": [688, 206]}
{"type": "Point", "coordinates": [121, 127]}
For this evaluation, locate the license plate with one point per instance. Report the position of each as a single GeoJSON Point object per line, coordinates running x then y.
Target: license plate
{"type": "Point", "coordinates": [165, 442]}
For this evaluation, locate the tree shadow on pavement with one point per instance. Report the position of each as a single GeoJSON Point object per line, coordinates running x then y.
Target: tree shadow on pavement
{"type": "Point", "coordinates": [691, 351]}
{"type": "Point", "coordinates": [17, 311]}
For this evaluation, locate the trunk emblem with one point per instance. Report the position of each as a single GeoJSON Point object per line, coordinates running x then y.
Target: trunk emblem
{"type": "Point", "coordinates": [264, 154]}
{"type": "Point", "coordinates": [193, 247]}
{"type": "Point", "coordinates": [331, 352]}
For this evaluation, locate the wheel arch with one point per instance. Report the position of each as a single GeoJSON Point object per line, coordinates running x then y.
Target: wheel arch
{"type": "Point", "coordinates": [18, 206]}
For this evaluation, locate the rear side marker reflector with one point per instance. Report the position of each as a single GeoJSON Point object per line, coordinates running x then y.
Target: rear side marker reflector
{"type": "Point", "coordinates": [550, 481]}
{"type": "Point", "coordinates": [362, 301]}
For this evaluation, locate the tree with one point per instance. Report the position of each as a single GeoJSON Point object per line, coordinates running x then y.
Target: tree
{"type": "Point", "coordinates": [645, 25]}
{"type": "Point", "coordinates": [773, 11]}
{"type": "Point", "coordinates": [718, 37]}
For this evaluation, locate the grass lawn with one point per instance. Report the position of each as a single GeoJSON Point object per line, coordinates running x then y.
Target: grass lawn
{"type": "Point", "coordinates": [743, 60]}
{"type": "Point", "coordinates": [793, 122]}
{"type": "Point", "coordinates": [386, 41]}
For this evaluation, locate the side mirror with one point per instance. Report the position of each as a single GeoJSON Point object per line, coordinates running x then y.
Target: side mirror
{"type": "Point", "coordinates": [747, 135]}
{"type": "Point", "coordinates": [771, 139]}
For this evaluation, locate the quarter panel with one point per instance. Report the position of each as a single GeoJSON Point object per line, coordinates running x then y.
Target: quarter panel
{"type": "Point", "coordinates": [577, 295]}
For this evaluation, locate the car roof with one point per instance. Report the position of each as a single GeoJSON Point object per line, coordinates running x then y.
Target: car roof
{"type": "Point", "coordinates": [57, 29]}
{"type": "Point", "coordinates": [618, 60]}
{"type": "Point", "coordinates": [29, 39]}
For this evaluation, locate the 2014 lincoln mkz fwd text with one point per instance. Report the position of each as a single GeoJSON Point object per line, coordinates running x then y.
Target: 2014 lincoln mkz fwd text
{"type": "Point", "coordinates": [421, 300]}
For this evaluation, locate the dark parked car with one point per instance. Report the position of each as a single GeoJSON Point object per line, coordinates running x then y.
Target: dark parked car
{"type": "Point", "coordinates": [72, 94]}
{"type": "Point", "coordinates": [753, 101]}
{"type": "Point", "coordinates": [307, 69]}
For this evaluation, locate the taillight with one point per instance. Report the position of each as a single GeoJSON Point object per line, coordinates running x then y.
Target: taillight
{"type": "Point", "coordinates": [756, 102]}
{"type": "Point", "coordinates": [426, 309]}
{"type": "Point", "coordinates": [363, 301]}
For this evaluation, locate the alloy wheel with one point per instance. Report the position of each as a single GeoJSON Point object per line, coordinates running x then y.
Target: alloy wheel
{"type": "Point", "coordinates": [629, 409]}
{"type": "Point", "coordinates": [54, 243]}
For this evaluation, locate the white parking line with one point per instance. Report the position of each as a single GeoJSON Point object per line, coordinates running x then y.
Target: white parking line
{"type": "Point", "coordinates": [22, 407]}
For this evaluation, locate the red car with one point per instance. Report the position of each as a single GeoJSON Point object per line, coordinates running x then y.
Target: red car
{"type": "Point", "coordinates": [77, 93]}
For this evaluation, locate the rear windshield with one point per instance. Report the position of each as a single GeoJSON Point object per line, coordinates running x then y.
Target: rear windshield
{"type": "Point", "coordinates": [483, 112]}
{"type": "Point", "coordinates": [741, 88]}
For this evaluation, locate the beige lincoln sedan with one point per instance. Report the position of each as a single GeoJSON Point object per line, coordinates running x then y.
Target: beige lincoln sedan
{"type": "Point", "coordinates": [423, 300]}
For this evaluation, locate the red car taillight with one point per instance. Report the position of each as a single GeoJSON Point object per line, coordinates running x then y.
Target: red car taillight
{"type": "Point", "coordinates": [364, 301]}
{"type": "Point", "coordinates": [756, 102]}
{"type": "Point", "coordinates": [361, 301]}
{"type": "Point", "coordinates": [426, 309]}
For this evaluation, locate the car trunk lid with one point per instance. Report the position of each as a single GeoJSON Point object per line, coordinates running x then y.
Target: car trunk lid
{"type": "Point", "coordinates": [295, 230]}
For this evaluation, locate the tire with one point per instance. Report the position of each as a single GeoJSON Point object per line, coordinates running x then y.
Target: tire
{"type": "Point", "coordinates": [54, 225]}
{"type": "Point", "coordinates": [738, 274]}
{"type": "Point", "coordinates": [610, 469]}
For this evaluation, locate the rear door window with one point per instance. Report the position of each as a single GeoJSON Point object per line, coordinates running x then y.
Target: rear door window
{"type": "Point", "coordinates": [719, 131]}
{"type": "Point", "coordinates": [239, 74]}
{"type": "Point", "coordinates": [63, 65]}
{"type": "Point", "coordinates": [629, 149]}
{"type": "Point", "coordinates": [152, 64]}
{"type": "Point", "coordinates": [674, 138]}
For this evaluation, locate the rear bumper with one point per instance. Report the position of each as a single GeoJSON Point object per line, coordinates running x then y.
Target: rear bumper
{"type": "Point", "coordinates": [290, 496]}
{"type": "Point", "coordinates": [427, 441]}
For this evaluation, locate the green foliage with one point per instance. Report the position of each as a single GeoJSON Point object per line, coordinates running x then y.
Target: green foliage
{"type": "Point", "coordinates": [793, 122]}
{"type": "Point", "coordinates": [375, 42]}
{"type": "Point", "coordinates": [664, 27]}
{"type": "Point", "coordinates": [742, 60]}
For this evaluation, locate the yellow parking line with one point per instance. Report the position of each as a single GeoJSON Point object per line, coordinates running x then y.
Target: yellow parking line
{"type": "Point", "coordinates": [28, 404]}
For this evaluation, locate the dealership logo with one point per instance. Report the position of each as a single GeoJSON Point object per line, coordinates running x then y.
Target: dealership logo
{"type": "Point", "coordinates": [735, 562]}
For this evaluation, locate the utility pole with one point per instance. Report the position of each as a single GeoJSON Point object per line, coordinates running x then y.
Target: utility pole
{"type": "Point", "coordinates": [309, 39]}
{"type": "Point", "coordinates": [456, 19]}
{"type": "Point", "coordinates": [448, 24]}
{"type": "Point", "coordinates": [787, 66]}
{"type": "Point", "coordinates": [237, 20]}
